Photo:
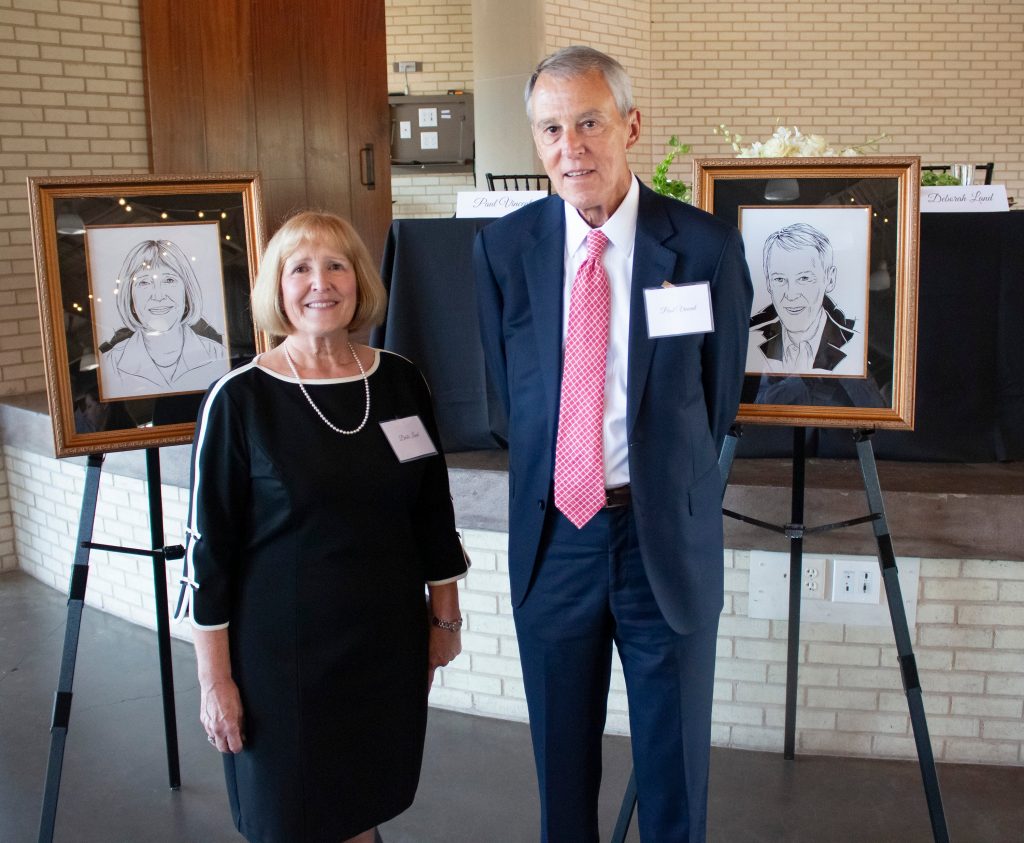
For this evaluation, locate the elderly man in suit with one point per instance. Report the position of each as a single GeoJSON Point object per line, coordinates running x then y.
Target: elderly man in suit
{"type": "Point", "coordinates": [614, 324]}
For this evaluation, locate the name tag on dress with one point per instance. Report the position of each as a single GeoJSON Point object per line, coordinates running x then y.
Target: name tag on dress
{"type": "Point", "coordinates": [408, 438]}
{"type": "Point", "coordinates": [676, 310]}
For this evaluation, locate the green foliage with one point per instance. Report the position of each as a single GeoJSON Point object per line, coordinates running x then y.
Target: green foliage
{"type": "Point", "coordinates": [662, 183]}
{"type": "Point", "coordinates": [937, 178]}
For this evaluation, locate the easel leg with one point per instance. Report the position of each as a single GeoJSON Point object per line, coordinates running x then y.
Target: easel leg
{"type": "Point", "coordinates": [728, 454]}
{"type": "Point", "coordinates": [908, 665]}
{"type": "Point", "coordinates": [796, 562]}
{"type": "Point", "coordinates": [163, 630]}
{"type": "Point", "coordinates": [626, 810]}
{"type": "Point", "coordinates": [76, 602]}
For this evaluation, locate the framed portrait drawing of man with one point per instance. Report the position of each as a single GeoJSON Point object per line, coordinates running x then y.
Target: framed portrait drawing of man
{"type": "Point", "coordinates": [143, 285]}
{"type": "Point", "coordinates": [832, 248]}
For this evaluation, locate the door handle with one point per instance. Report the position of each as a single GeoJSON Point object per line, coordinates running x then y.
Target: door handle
{"type": "Point", "coordinates": [366, 168]}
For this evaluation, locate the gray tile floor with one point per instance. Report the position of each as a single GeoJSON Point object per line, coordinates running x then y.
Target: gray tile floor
{"type": "Point", "coordinates": [477, 784]}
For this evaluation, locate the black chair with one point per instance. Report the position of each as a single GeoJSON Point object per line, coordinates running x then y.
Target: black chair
{"type": "Point", "coordinates": [518, 182]}
{"type": "Point", "coordinates": [979, 168]}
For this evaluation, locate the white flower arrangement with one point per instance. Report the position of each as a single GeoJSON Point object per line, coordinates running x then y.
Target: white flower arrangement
{"type": "Point", "coordinates": [787, 142]}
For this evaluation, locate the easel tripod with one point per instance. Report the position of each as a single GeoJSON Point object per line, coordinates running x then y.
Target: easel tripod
{"type": "Point", "coordinates": [76, 602]}
{"type": "Point", "coordinates": [795, 531]}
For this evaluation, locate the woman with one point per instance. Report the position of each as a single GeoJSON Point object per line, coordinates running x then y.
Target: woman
{"type": "Point", "coordinates": [310, 540]}
{"type": "Point", "coordinates": [159, 350]}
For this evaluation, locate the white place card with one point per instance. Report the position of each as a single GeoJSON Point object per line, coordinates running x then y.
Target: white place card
{"type": "Point", "coordinates": [408, 438]}
{"type": "Point", "coordinates": [676, 310]}
{"type": "Point", "coordinates": [493, 203]}
{"type": "Point", "coordinates": [961, 200]}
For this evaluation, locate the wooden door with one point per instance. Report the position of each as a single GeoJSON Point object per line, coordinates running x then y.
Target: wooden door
{"type": "Point", "coordinates": [294, 89]}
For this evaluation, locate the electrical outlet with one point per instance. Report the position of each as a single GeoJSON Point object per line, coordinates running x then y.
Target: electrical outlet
{"type": "Point", "coordinates": [768, 589]}
{"type": "Point", "coordinates": [856, 581]}
{"type": "Point", "coordinates": [812, 581]}
{"type": "Point", "coordinates": [407, 66]}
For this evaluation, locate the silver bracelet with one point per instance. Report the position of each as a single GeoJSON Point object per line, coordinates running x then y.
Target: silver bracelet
{"type": "Point", "coordinates": [450, 626]}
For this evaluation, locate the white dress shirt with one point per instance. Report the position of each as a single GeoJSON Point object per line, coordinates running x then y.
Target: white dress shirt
{"type": "Point", "coordinates": [620, 229]}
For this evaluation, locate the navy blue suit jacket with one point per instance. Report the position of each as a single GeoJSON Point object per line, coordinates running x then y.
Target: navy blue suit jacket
{"type": "Point", "coordinates": [682, 392]}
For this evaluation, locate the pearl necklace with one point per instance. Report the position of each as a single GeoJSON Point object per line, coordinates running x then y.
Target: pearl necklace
{"type": "Point", "coordinates": [316, 409]}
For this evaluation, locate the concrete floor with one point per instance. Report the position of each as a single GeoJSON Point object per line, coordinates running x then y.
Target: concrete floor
{"type": "Point", "coordinates": [477, 785]}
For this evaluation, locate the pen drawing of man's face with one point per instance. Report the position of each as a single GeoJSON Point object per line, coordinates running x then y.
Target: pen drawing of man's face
{"type": "Point", "coordinates": [799, 276]}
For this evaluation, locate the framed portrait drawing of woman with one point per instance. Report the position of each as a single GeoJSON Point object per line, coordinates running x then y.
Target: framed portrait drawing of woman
{"type": "Point", "coordinates": [143, 287]}
{"type": "Point", "coordinates": [832, 249]}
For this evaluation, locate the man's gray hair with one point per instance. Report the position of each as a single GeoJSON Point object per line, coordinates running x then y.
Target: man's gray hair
{"type": "Point", "coordinates": [571, 62]}
{"type": "Point", "coordinates": [799, 235]}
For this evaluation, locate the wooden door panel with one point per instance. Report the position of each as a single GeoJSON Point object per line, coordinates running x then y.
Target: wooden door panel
{"type": "Point", "coordinates": [292, 89]}
{"type": "Point", "coordinates": [327, 72]}
{"type": "Point", "coordinates": [229, 102]}
{"type": "Point", "coordinates": [280, 30]}
{"type": "Point", "coordinates": [174, 85]}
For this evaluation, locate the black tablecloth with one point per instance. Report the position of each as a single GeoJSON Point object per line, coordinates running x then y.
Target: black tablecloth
{"type": "Point", "coordinates": [428, 270]}
{"type": "Point", "coordinates": [970, 368]}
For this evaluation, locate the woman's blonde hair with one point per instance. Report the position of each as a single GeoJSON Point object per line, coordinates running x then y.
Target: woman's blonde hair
{"type": "Point", "coordinates": [329, 230]}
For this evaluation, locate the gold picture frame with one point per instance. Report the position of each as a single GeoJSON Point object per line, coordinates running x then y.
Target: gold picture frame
{"type": "Point", "coordinates": [832, 247]}
{"type": "Point", "coordinates": [143, 285]}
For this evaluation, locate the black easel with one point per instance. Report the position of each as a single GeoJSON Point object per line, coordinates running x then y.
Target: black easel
{"type": "Point", "coordinates": [76, 602]}
{"type": "Point", "coordinates": [795, 531]}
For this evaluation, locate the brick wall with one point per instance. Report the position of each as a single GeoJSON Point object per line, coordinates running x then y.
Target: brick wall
{"type": "Point", "coordinates": [71, 102]}
{"type": "Point", "coordinates": [968, 640]}
{"type": "Point", "coordinates": [429, 195]}
{"type": "Point", "coordinates": [46, 498]}
{"type": "Point", "coordinates": [8, 554]}
{"type": "Point", "coordinates": [969, 644]}
{"type": "Point", "coordinates": [438, 34]}
{"type": "Point", "coordinates": [943, 79]}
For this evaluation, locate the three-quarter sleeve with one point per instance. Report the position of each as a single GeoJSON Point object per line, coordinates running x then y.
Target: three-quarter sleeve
{"type": "Point", "coordinates": [218, 511]}
{"type": "Point", "coordinates": [443, 556]}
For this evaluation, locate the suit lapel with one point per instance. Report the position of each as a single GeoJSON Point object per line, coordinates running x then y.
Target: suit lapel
{"type": "Point", "coordinates": [544, 267]}
{"type": "Point", "coordinates": [653, 263]}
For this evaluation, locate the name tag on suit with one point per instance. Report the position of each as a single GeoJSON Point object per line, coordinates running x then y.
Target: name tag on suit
{"type": "Point", "coordinates": [675, 310]}
{"type": "Point", "coordinates": [408, 438]}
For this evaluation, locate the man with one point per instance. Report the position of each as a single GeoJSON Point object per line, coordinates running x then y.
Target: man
{"type": "Point", "coordinates": [802, 331]}
{"type": "Point", "coordinates": [599, 270]}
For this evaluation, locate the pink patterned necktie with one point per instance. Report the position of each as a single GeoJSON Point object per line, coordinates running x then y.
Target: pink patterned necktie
{"type": "Point", "coordinates": [579, 452]}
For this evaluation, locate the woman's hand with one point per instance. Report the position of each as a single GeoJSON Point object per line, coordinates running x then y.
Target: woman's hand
{"type": "Point", "coordinates": [444, 647]}
{"type": "Point", "coordinates": [445, 644]}
{"type": "Point", "coordinates": [220, 712]}
{"type": "Point", "coordinates": [220, 704]}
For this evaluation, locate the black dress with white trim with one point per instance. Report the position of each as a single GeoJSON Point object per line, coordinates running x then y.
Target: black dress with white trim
{"type": "Point", "coordinates": [313, 548]}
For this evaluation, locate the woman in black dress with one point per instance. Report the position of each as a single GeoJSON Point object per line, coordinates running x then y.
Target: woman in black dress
{"type": "Point", "coordinates": [320, 508]}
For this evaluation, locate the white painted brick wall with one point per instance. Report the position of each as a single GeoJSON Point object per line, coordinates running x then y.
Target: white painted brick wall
{"type": "Point", "coordinates": [8, 555]}
{"type": "Point", "coordinates": [427, 196]}
{"type": "Point", "coordinates": [969, 640]}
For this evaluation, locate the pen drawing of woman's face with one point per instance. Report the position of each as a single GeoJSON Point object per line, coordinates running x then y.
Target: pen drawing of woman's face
{"type": "Point", "coordinates": [157, 288]}
{"type": "Point", "coordinates": [158, 297]}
